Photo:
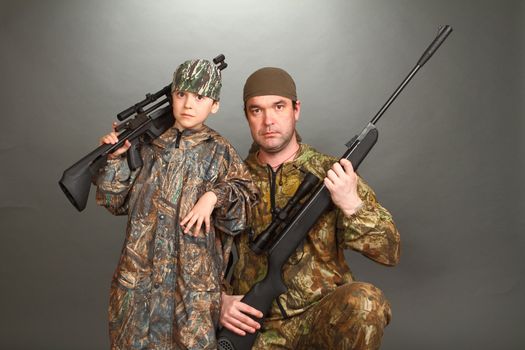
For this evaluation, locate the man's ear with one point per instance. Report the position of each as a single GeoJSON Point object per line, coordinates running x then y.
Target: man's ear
{"type": "Point", "coordinates": [297, 110]}
{"type": "Point", "coordinates": [215, 107]}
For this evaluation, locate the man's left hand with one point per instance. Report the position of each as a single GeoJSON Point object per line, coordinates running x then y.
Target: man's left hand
{"type": "Point", "coordinates": [341, 181]}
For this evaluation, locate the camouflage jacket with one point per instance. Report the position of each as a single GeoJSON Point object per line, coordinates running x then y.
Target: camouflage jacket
{"type": "Point", "coordinates": [318, 266]}
{"type": "Point", "coordinates": [178, 168]}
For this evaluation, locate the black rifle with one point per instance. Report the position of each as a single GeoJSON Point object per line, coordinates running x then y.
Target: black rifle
{"type": "Point", "coordinates": [152, 118]}
{"type": "Point", "coordinates": [296, 223]}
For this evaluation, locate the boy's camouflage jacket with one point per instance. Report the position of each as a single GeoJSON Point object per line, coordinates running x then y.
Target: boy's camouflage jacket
{"type": "Point", "coordinates": [165, 278]}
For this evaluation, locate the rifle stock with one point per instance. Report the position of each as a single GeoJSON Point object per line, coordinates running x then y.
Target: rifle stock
{"type": "Point", "coordinates": [76, 180]}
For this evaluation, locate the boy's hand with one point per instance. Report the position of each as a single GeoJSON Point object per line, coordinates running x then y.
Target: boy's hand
{"type": "Point", "coordinates": [200, 213]}
{"type": "Point", "coordinates": [112, 138]}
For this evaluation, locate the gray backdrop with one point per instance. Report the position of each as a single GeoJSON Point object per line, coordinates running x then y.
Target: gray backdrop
{"type": "Point", "coordinates": [448, 164]}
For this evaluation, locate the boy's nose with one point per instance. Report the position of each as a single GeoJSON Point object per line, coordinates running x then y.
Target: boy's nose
{"type": "Point", "coordinates": [188, 102]}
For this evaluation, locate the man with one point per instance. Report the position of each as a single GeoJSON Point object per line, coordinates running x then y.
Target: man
{"type": "Point", "coordinates": [324, 308]}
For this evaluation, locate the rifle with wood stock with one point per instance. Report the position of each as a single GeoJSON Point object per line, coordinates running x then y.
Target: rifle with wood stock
{"type": "Point", "coordinates": [291, 225]}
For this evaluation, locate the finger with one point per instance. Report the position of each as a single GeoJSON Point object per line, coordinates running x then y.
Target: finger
{"type": "Point", "coordinates": [108, 139]}
{"type": "Point", "coordinates": [243, 326]}
{"type": "Point", "coordinates": [190, 223]}
{"type": "Point", "coordinates": [347, 165]}
{"type": "Point", "coordinates": [114, 126]}
{"type": "Point", "coordinates": [186, 218]}
{"type": "Point", "coordinates": [234, 329]}
{"type": "Point", "coordinates": [338, 170]}
{"type": "Point", "coordinates": [247, 309]}
{"type": "Point", "coordinates": [112, 137]}
{"type": "Point", "coordinates": [207, 223]}
{"type": "Point", "coordinates": [329, 184]}
{"type": "Point", "coordinates": [332, 176]}
{"type": "Point", "coordinates": [239, 320]}
{"type": "Point", "coordinates": [198, 226]}
{"type": "Point", "coordinates": [243, 322]}
{"type": "Point", "coordinates": [125, 146]}
{"type": "Point", "coordinates": [121, 150]}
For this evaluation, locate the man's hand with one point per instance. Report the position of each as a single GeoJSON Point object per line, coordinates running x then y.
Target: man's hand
{"type": "Point", "coordinates": [341, 181]}
{"type": "Point", "coordinates": [112, 138]}
{"type": "Point", "coordinates": [233, 316]}
{"type": "Point", "coordinates": [200, 213]}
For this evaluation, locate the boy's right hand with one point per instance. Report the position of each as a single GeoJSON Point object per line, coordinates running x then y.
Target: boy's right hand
{"type": "Point", "coordinates": [112, 138]}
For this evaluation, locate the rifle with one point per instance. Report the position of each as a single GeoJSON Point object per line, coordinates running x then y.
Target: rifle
{"type": "Point", "coordinates": [292, 224]}
{"type": "Point", "coordinates": [151, 120]}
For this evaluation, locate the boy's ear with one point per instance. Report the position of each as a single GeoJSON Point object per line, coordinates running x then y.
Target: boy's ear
{"type": "Point", "coordinates": [215, 107]}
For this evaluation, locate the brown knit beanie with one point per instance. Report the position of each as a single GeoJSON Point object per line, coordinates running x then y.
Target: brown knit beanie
{"type": "Point", "coordinates": [269, 81]}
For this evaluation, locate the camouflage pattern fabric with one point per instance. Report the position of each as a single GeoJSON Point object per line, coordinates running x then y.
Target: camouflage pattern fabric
{"type": "Point", "coordinates": [318, 267]}
{"type": "Point", "coordinates": [198, 76]}
{"type": "Point", "coordinates": [165, 292]}
{"type": "Point", "coordinates": [353, 316]}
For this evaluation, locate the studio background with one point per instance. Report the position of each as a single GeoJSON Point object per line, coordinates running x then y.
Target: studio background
{"type": "Point", "coordinates": [448, 163]}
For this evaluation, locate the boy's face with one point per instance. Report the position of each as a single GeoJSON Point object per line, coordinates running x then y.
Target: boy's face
{"type": "Point", "coordinates": [191, 110]}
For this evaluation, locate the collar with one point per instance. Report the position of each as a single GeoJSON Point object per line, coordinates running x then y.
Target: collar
{"type": "Point", "coordinates": [187, 138]}
{"type": "Point", "coordinates": [252, 161]}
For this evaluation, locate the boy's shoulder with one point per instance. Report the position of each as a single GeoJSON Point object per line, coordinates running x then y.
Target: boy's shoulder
{"type": "Point", "coordinates": [216, 137]}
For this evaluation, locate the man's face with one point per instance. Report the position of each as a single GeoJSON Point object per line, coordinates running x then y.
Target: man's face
{"type": "Point", "coordinates": [191, 110]}
{"type": "Point", "coordinates": [272, 121]}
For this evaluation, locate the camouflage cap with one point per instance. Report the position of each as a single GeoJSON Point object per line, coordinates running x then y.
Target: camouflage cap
{"type": "Point", "coordinates": [198, 76]}
{"type": "Point", "coordinates": [270, 81]}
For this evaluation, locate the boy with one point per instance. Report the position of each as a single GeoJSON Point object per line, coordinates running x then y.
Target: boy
{"type": "Point", "coordinates": [165, 292]}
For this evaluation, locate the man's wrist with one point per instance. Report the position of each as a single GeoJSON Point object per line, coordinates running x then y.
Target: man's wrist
{"type": "Point", "coordinates": [351, 210]}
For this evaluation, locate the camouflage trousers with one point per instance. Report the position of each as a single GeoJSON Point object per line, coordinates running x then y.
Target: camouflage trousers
{"type": "Point", "coordinates": [353, 316]}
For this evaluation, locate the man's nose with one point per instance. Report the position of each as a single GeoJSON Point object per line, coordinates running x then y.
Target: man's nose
{"type": "Point", "coordinates": [269, 117]}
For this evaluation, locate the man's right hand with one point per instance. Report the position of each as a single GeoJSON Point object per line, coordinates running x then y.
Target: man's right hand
{"type": "Point", "coordinates": [112, 138]}
{"type": "Point", "coordinates": [234, 315]}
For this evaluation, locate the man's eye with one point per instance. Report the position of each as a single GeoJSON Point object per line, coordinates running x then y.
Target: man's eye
{"type": "Point", "coordinates": [255, 110]}
{"type": "Point", "coordinates": [279, 107]}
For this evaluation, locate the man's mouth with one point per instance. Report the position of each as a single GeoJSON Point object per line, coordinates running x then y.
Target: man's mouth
{"type": "Point", "coordinates": [269, 133]}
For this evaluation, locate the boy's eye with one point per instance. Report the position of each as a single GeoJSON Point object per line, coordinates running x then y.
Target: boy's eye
{"type": "Point", "coordinates": [180, 94]}
{"type": "Point", "coordinates": [199, 97]}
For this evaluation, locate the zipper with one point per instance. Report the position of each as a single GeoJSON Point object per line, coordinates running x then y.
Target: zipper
{"type": "Point", "coordinates": [272, 177]}
{"type": "Point", "coordinates": [177, 140]}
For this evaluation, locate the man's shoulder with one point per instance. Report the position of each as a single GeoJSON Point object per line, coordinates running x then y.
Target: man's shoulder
{"type": "Point", "coordinates": [314, 161]}
{"type": "Point", "coordinates": [309, 153]}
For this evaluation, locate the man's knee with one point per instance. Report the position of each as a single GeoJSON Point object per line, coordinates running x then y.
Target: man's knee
{"type": "Point", "coordinates": [363, 301]}
{"type": "Point", "coordinates": [353, 316]}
